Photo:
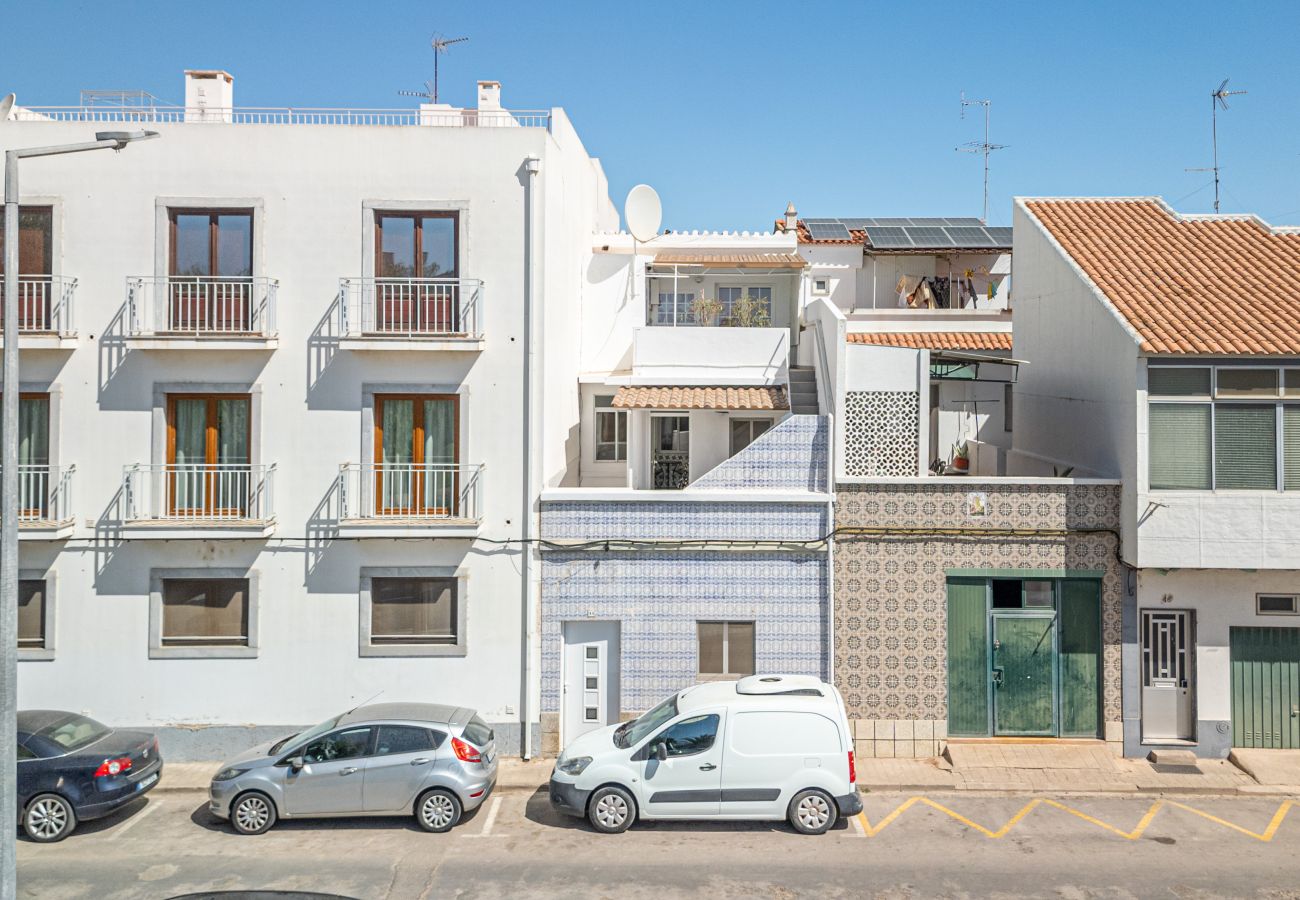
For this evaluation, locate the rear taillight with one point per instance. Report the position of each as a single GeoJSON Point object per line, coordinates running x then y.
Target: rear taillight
{"type": "Point", "coordinates": [853, 770]}
{"type": "Point", "coordinates": [465, 752]}
{"type": "Point", "coordinates": [113, 766]}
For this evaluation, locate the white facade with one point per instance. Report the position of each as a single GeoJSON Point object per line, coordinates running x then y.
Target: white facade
{"type": "Point", "coordinates": [528, 198]}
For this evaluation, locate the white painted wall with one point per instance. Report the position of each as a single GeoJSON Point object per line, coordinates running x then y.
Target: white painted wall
{"type": "Point", "coordinates": [698, 355]}
{"type": "Point", "coordinates": [311, 182]}
{"type": "Point", "coordinates": [876, 368]}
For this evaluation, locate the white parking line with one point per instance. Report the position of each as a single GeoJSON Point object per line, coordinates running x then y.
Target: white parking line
{"type": "Point", "coordinates": [490, 821]}
{"type": "Point", "coordinates": [136, 819]}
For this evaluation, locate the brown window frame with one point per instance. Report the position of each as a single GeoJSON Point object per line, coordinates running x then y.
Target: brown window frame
{"type": "Point", "coordinates": [213, 214]}
{"type": "Point", "coordinates": [210, 445]}
{"type": "Point", "coordinates": [241, 640]}
{"type": "Point", "coordinates": [41, 642]}
{"type": "Point", "coordinates": [452, 583]}
{"type": "Point", "coordinates": [417, 451]}
{"type": "Point", "coordinates": [419, 216]}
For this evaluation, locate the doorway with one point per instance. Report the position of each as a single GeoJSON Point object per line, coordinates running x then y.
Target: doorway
{"type": "Point", "coordinates": [1024, 674]}
{"type": "Point", "coordinates": [1167, 675]}
{"type": "Point", "coordinates": [1265, 687]}
{"type": "Point", "coordinates": [589, 680]}
{"type": "Point", "coordinates": [670, 451]}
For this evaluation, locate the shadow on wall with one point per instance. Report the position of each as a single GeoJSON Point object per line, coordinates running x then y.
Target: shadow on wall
{"type": "Point", "coordinates": [793, 456]}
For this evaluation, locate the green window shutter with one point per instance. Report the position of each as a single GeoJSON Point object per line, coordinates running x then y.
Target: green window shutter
{"type": "Point", "coordinates": [1291, 447]}
{"type": "Point", "coordinates": [968, 664]}
{"type": "Point", "coordinates": [1179, 445]}
{"type": "Point", "coordinates": [1080, 664]}
{"type": "Point", "coordinates": [1178, 382]}
{"type": "Point", "coordinates": [1245, 446]}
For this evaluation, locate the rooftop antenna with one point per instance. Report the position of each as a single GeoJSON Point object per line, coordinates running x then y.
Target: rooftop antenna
{"type": "Point", "coordinates": [1218, 98]}
{"type": "Point", "coordinates": [440, 45]}
{"type": "Point", "coordinates": [980, 146]}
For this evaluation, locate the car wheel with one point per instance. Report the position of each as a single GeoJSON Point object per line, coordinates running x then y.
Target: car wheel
{"type": "Point", "coordinates": [49, 818]}
{"type": "Point", "coordinates": [812, 812]}
{"type": "Point", "coordinates": [611, 810]}
{"type": "Point", "coordinates": [438, 810]}
{"type": "Point", "coordinates": [252, 813]}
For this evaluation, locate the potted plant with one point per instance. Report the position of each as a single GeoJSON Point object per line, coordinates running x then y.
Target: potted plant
{"type": "Point", "coordinates": [706, 310]}
{"type": "Point", "coordinates": [750, 312]}
{"type": "Point", "coordinates": [961, 457]}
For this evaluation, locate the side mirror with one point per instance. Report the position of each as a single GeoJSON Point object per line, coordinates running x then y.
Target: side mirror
{"type": "Point", "coordinates": [296, 764]}
{"type": "Point", "coordinates": [661, 752]}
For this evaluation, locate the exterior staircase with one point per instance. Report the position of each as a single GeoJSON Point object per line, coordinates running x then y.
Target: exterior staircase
{"type": "Point", "coordinates": [803, 392]}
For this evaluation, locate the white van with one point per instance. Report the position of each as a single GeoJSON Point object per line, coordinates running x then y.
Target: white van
{"type": "Point", "coordinates": [766, 747]}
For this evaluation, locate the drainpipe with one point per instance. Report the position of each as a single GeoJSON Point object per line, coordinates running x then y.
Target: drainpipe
{"type": "Point", "coordinates": [532, 165]}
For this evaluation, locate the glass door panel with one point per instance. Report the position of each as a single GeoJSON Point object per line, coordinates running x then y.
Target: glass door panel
{"type": "Point", "coordinates": [1024, 682]}
{"type": "Point", "coordinates": [33, 455]}
{"type": "Point", "coordinates": [186, 475]}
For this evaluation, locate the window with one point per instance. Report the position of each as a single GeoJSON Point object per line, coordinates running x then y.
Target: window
{"type": "Point", "coordinates": [208, 469]}
{"type": "Point", "coordinates": [478, 732]}
{"type": "Point", "coordinates": [205, 612]}
{"type": "Point", "coordinates": [745, 431]}
{"type": "Point", "coordinates": [350, 743]}
{"type": "Point", "coordinates": [72, 732]}
{"type": "Point", "coordinates": [24, 753]}
{"type": "Point", "coordinates": [31, 614]}
{"type": "Point", "coordinates": [611, 430]}
{"type": "Point", "coordinates": [34, 487]}
{"type": "Point", "coordinates": [395, 739]}
{"type": "Point", "coordinates": [211, 269]}
{"type": "Point", "coordinates": [35, 260]}
{"type": "Point", "coordinates": [821, 286]}
{"type": "Point", "coordinates": [672, 309]}
{"type": "Point", "coordinates": [417, 267]}
{"type": "Point", "coordinates": [726, 648]}
{"type": "Point", "coordinates": [413, 611]}
{"type": "Point", "coordinates": [689, 736]}
{"type": "Point", "coordinates": [1277, 604]}
{"type": "Point", "coordinates": [670, 451]}
{"type": "Point", "coordinates": [417, 440]}
{"type": "Point", "coordinates": [745, 306]}
{"type": "Point", "coordinates": [1038, 594]}
{"type": "Point", "coordinates": [1223, 428]}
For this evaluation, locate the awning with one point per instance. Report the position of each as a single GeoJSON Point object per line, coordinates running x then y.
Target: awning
{"type": "Point", "coordinates": [954, 365]}
{"type": "Point", "coordinates": [732, 260]}
{"type": "Point", "coordinates": [721, 398]}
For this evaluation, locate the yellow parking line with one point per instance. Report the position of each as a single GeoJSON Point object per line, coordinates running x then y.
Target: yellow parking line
{"type": "Point", "coordinates": [1128, 835]}
{"type": "Point", "coordinates": [1266, 835]}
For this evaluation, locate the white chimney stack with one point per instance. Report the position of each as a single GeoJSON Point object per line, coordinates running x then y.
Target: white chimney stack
{"type": "Point", "coordinates": [791, 218]}
{"type": "Point", "coordinates": [209, 95]}
{"type": "Point", "coordinates": [489, 96]}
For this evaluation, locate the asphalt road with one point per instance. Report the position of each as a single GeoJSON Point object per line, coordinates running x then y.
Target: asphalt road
{"type": "Point", "coordinates": [515, 846]}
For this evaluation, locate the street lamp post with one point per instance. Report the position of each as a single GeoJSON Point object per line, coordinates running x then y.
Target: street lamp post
{"type": "Point", "coordinates": [104, 140]}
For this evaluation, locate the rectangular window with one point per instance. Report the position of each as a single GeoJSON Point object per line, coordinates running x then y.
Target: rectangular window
{"type": "Point", "coordinates": [1039, 594]}
{"type": "Point", "coordinates": [208, 463]}
{"type": "Point", "coordinates": [211, 269]}
{"type": "Point", "coordinates": [417, 267]}
{"type": "Point", "coordinates": [35, 241]}
{"type": "Point", "coordinates": [1178, 382]}
{"type": "Point", "coordinates": [1247, 383]}
{"type": "Point", "coordinates": [611, 430]}
{"type": "Point", "coordinates": [1245, 446]}
{"type": "Point", "coordinates": [205, 612]}
{"type": "Point", "coordinates": [672, 309]}
{"type": "Point", "coordinates": [821, 286]}
{"type": "Point", "coordinates": [745, 306]}
{"type": "Point", "coordinates": [31, 614]}
{"type": "Point", "coordinates": [726, 648]}
{"type": "Point", "coordinates": [417, 451]}
{"type": "Point", "coordinates": [413, 611]}
{"type": "Point", "coordinates": [1291, 447]}
{"type": "Point", "coordinates": [1180, 446]}
{"type": "Point", "coordinates": [745, 431]}
{"type": "Point", "coordinates": [1277, 604]}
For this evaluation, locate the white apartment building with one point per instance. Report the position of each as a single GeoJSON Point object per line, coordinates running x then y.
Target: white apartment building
{"type": "Point", "coordinates": [292, 383]}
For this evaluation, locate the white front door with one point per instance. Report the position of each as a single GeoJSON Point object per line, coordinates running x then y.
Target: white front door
{"type": "Point", "coordinates": [590, 679]}
{"type": "Point", "coordinates": [1166, 675]}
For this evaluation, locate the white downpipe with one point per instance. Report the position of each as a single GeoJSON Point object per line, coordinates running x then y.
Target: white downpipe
{"type": "Point", "coordinates": [532, 165]}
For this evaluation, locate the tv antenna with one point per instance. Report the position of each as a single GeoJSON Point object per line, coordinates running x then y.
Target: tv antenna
{"type": "Point", "coordinates": [1218, 98]}
{"type": "Point", "coordinates": [439, 45]}
{"type": "Point", "coordinates": [983, 146]}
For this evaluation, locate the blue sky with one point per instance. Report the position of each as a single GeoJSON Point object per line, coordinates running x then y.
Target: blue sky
{"type": "Point", "coordinates": [732, 109]}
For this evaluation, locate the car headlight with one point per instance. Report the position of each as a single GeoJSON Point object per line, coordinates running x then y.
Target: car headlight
{"type": "Point", "coordinates": [228, 773]}
{"type": "Point", "coordinates": [575, 765]}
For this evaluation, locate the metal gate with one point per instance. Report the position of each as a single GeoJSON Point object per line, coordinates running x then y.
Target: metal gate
{"type": "Point", "coordinates": [1024, 675]}
{"type": "Point", "coordinates": [1266, 687]}
{"type": "Point", "coordinates": [1167, 675]}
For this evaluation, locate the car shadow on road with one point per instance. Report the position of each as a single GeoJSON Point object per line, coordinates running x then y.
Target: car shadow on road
{"type": "Point", "coordinates": [206, 820]}
{"type": "Point", "coordinates": [539, 810]}
{"type": "Point", "coordinates": [94, 826]}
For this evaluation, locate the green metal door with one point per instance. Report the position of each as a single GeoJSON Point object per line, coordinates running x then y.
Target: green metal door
{"type": "Point", "coordinates": [1265, 687]}
{"type": "Point", "coordinates": [968, 656]}
{"type": "Point", "coordinates": [1024, 677]}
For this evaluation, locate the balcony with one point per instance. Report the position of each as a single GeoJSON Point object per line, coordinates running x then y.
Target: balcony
{"type": "Point", "coordinates": [410, 314]}
{"type": "Point", "coordinates": [188, 312]}
{"type": "Point", "coordinates": [44, 312]}
{"type": "Point", "coordinates": [45, 503]}
{"type": "Point", "coordinates": [405, 500]}
{"type": "Point", "coordinates": [224, 500]}
{"type": "Point", "coordinates": [705, 355]}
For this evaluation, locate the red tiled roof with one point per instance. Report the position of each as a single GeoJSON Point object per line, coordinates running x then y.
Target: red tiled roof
{"type": "Point", "coordinates": [935, 340]}
{"type": "Point", "coordinates": [701, 398]}
{"type": "Point", "coordinates": [1217, 285]}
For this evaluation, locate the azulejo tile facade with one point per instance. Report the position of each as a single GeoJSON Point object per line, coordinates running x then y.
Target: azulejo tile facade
{"type": "Point", "coordinates": [891, 589]}
{"type": "Point", "coordinates": [793, 456]}
{"type": "Point", "coordinates": [881, 433]}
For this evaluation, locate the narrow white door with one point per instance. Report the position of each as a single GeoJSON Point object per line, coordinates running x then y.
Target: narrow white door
{"type": "Point", "coordinates": [1166, 675]}
{"type": "Point", "coordinates": [590, 681]}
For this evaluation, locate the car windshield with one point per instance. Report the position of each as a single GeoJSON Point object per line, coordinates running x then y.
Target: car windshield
{"type": "Point", "coordinates": [72, 732]}
{"type": "Point", "coordinates": [634, 732]}
{"type": "Point", "coordinates": [309, 735]}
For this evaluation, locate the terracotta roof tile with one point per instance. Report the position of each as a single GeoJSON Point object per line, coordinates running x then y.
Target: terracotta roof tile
{"type": "Point", "coordinates": [677, 397]}
{"type": "Point", "coordinates": [935, 340]}
{"type": "Point", "coordinates": [1213, 285]}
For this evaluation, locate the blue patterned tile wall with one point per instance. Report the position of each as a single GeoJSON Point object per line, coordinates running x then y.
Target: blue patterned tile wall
{"type": "Point", "coordinates": [659, 596]}
{"type": "Point", "coordinates": [594, 520]}
{"type": "Point", "coordinates": [793, 456]}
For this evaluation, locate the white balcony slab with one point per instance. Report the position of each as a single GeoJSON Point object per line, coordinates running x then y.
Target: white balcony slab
{"type": "Point", "coordinates": [207, 529]}
{"type": "Point", "coordinates": [44, 530]}
{"type": "Point", "coordinates": [203, 343]}
{"type": "Point", "coordinates": [408, 528]}
{"type": "Point", "coordinates": [431, 344]}
{"type": "Point", "coordinates": [663, 354]}
{"type": "Point", "coordinates": [45, 341]}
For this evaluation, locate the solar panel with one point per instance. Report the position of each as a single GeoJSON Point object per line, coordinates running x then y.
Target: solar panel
{"type": "Point", "coordinates": [886, 236]}
{"type": "Point", "coordinates": [823, 231]}
{"type": "Point", "coordinates": [821, 221]}
{"type": "Point", "coordinates": [858, 224]}
{"type": "Point", "coordinates": [1000, 235]}
{"type": "Point", "coordinates": [929, 223]}
{"type": "Point", "coordinates": [970, 236]}
{"type": "Point", "coordinates": [968, 222]}
{"type": "Point", "coordinates": [929, 236]}
{"type": "Point", "coordinates": [893, 222]}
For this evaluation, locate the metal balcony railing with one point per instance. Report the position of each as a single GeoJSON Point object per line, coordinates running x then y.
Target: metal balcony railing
{"type": "Point", "coordinates": [198, 493]}
{"type": "Point", "coordinates": [451, 118]}
{"type": "Point", "coordinates": [44, 304]}
{"type": "Point", "coordinates": [409, 491]}
{"type": "Point", "coordinates": [44, 494]}
{"type": "Point", "coordinates": [410, 307]}
{"type": "Point", "coordinates": [201, 306]}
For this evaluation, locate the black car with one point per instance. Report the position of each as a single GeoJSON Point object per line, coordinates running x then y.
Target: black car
{"type": "Point", "coordinates": [73, 768]}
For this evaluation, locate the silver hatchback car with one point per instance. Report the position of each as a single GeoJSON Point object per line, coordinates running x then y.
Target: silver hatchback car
{"type": "Point", "coordinates": [435, 762]}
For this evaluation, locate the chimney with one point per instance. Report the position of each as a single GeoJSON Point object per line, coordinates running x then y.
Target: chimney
{"type": "Point", "coordinates": [209, 95]}
{"type": "Point", "coordinates": [489, 96]}
{"type": "Point", "coordinates": [791, 218]}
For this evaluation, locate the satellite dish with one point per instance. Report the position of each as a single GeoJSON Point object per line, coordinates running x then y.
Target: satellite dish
{"type": "Point", "coordinates": [6, 105]}
{"type": "Point", "coordinates": [643, 212]}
